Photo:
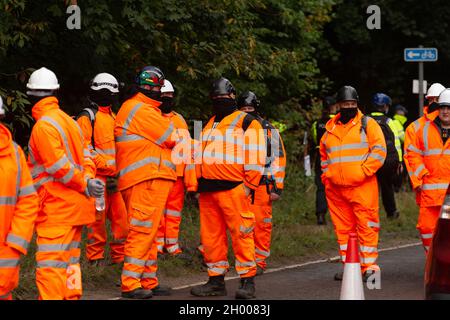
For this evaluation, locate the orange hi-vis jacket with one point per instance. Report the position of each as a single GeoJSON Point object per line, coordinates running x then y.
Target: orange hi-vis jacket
{"type": "Point", "coordinates": [19, 202]}
{"type": "Point", "coordinates": [350, 154]}
{"type": "Point", "coordinates": [104, 151]}
{"type": "Point", "coordinates": [61, 164]}
{"type": "Point", "coordinates": [229, 153]}
{"type": "Point", "coordinates": [428, 162]}
{"type": "Point", "coordinates": [185, 166]}
{"type": "Point", "coordinates": [144, 142]}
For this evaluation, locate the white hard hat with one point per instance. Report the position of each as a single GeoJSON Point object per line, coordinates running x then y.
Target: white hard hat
{"type": "Point", "coordinates": [444, 98]}
{"type": "Point", "coordinates": [105, 81]}
{"type": "Point", "coordinates": [435, 90]}
{"type": "Point", "coordinates": [2, 111]}
{"type": "Point", "coordinates": [167, 87]}
{"type": "Point", "coordinates": [42, 79]}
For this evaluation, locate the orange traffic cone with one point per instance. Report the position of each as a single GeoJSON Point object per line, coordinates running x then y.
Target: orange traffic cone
{"type": "Point", "coordinates": [437, 270]}
{"type": "Point", "coordinates": [352, 284]}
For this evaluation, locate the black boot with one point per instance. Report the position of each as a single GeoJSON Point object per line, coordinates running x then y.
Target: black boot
{"type": "Point", "coordinates": [160, 290]}
{"type": "Point", "coordinates": [394, 215]}
{"type": "Point", "coordinates": [214, 287]}
{"type": "Point", "coordinates": [321, 219]}
{"type": "Point", "coordinates": [139, 293]}
{"type": "Point", "coordinates": [246, 289]}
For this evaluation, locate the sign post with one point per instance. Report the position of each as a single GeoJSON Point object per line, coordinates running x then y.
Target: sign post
{"type": "Point", "coordinates": [420, 55]}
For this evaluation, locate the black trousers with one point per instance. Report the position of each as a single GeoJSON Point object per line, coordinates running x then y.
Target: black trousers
{"type": "Point", "coordinates": [386, 177]}
{"type": "Point", "coordinates": [321, 199]}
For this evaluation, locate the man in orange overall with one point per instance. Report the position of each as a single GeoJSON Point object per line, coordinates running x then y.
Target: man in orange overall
{"type": "Point", "coordinates": [168, 232]}
{"type": "Point", "coordinates": [144, 142]}
{"type": "Point", "coordinates": [271, 184]}
{"type": "Point", "coordinates": [352, 150]}
{"type": "Point", "coordinates": [63, 174]}
{"type": "Point", "coordinates": [19, 205]}
{"type": "Point", "coordinates": [97, 124]}
{"type": "Point", "coordinates": [233, 158]}
{"type": "Point", "coordinates": [428, 159]}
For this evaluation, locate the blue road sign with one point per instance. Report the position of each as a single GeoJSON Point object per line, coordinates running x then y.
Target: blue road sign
{"type": "Point", "coordinates": [420, 54]}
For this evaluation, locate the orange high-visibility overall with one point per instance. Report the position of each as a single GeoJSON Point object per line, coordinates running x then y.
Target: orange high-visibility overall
{"type": "Point", "coordinates": [19, 204]}
{"type": "Point", "coordinates": [60, 165]}
{"type": "Point", "coordinates": [104, 152]}
{"type": "Point", "coordinates": [144, 140]}
{"type": "Point", "coordinates": [350, 157]}
{"type": "Point", "coordinates": [428, 163]}
{"type": "Point", "coordinates": [230, 153]}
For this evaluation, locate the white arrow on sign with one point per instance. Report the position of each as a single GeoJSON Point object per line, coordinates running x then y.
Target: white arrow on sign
{"type": "Point", "coordinates": [412, 54]}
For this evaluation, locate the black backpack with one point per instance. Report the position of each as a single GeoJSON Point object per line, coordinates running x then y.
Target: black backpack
{"type": "Point", "coordinates": [392, 160]}
{"type": "Point", "coordinates": [89, 112]}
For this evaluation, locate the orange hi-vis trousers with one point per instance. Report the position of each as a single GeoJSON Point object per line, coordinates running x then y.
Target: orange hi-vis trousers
{"type": "Point", "coordinates": [428, 217]}
{"type": "Point", "coordinates": [230, 210]}
{"type": "Point", "coordinates": [58, 273]}
{"type": "Point", "coordinates": [9, 271]}
{"type": "Point", "coordinates": [262, 208]}
{"type": "Point", "coordinates": [169, 229]}
{"type": "Point", "coordinates": [116, 212]}
{"type": "Point", "coordinates": [355, 209]}
{"type": "Point", "coordinates": [145, 204]}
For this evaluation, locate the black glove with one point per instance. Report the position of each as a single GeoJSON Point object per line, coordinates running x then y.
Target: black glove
{"type": "Point", "coordinates": [111, 184]}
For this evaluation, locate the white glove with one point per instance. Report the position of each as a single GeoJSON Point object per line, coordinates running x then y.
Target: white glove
{"type": "Point", "coordinates": [95, 188]}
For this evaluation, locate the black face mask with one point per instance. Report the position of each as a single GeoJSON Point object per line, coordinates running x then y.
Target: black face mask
{"type": "Point", "coordinates": [34, 99]}
{"type": "Point", "coordinates": [347, 114]}
{"type": "Point", "coordinates": [102, 97]}
{"type": "Point", "coordinates": [167, 104]}
{"type": "Point", "coordinates": [223, 107]}
{"type": "Point", "coordinates": [154, 95]}
{"type": "Point", "coordinates": [433, 107]}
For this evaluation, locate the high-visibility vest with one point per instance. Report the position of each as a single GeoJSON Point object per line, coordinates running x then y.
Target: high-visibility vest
{"type": "Point", "coordinates": [18, 198]}
{"type": "Point", "coordinates": [430, 160]}
{"type": "Point", "coordinates": [231, 153]}
{"type": "Point", "coordinates": [144, 141]}
{"type": "Point", "coordinates": [102, 135]}
{"type": "Point", "coordinates": [350, 154]}
{"type": "Point", "coordinates": [60, 164]}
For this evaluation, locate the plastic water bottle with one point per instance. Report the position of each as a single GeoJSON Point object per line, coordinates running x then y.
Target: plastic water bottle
{"type": "Point", "coordinates": [100, 203]}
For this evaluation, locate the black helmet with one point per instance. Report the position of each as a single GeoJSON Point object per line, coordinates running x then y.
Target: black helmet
{"type": "Point", "coordinates": [399, 107]}
{"type": "Point", "coordinates": [222, 86]}
{"type": "Point", "coordinates": [248, 98]}
{"type": "Point", "coordinates": [328, 101]}
{"type": "Point", "coordinates": [347, 93]}
{"type": "Point", "coordinates": [151, 76]}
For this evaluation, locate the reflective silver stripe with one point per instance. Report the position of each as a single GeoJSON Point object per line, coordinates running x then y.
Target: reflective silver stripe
{"type": "Point", "coordinates": [279, 180]}
{"type": "Point", "coordinates": [139, 164]}
{"type": "Point", "coordinates": [323, 163]}
{"type": "Point", "coordinates": [233, 124]}
{"type": "Point", "coordinates": [42, 181]}
{"type": "Point", "coordinates": [159, 240]}
{"type": "Point", "coordinates": [26, 191]}
{"type": "Point", "coordinates": [173, 213]}
{"type": "Point", "coordinates": [368, 249]}
{"type": "Point", "coordinates": [253, 167]}
{"type": "Point", "coordinates": [68, 176]}
{"type": "Point", "coordinates": [149, 275]}
{"type": "Point", "coordinates": [262, 252]}
{"type": "Point", "coordinates": [347, 159]}
{"type": "Point", "coordinates": [447, 152]}
{"type": "Point", "coordinates": [132, 274]}
{"type": "Point", "coordinates": [427, 235]}
{"type": "Point", "coordinates": [414, 149]}
{"type": "Point", "coordinates": [8, 201]}
{"type": "Point", "coordinates": [110, 152]}
{"type": "Point", "coordinates": [343, 247]}
{"type": "Point", "coordinates": [218, 264]}
{"type": "Point", "coordinates": [150, 263]}
{"type": "Point", "coordinates": [171, 240]}
{"type": "Point", "coordinates": [74, 260]}
{"type": "Point", "coordinates": [9, 263]}
{"type": "Point", "coordinates": [87, 153]}
{"type": "Point", "coordinates": [21, 242]}
{"type": "Point", "coordinates": [368, 260]}
{"type": "Point", "coordinates": [419, 170]}
{"type": "Point", "coordinates": [62, 134]}
{"type": "Point", "coordinates": [363, 136]}
{"type": "Point", "coordinates": [111, 162]}
{"type": "Point", "coordinates": [130, 137]}
{"type": "Point", "coordinates": [433, 152]}
{"type": "Point", "coordinates": [166, 135]}
{"type": "Point", "coordinates": [245, 264]}
{"type": "Point", "coordinates": [252, 147]}
{"type": "Point", "coordinates": [53, 247]}
{"type": "Point", "coordinates": [137, 262]}
{"type": "Point", "coordinates": [377, 157]}
{"type": "Point", "coordinates": [434, 186]}
{"type": "Point", "coordinates": [267, 220]}
{"type": "Point", "coordinates": [57, 165]}
{"type": "Point", "coordinates": [221, 156]}
{"type": "Point", "coordinates": [52, 264]}
{"type": "Point", "coordinates": [189, 167]}
{"type": "Point", "coordinates": [140, 223]}
{"type": "Point", "coordinates": [377, 146]}
{"type": "Point", "coordinates": [218, 270]}
{"type": "Point", "coordinates": [130, 118]}
{"type": "Point", "coordinates": [37, 170]}
{"type": "Point", "coordinates": [246, 230]}
{"type": "Point", "coordinates": [349, 146]}
{"type": "Point", "coordinates": [416, 125]}
{"type": "Point", "coordinates": [169, 164]}
{"type": "Point", "coordinates": [174, 248]}
{"type": "Point", "coordinates": [425, 135]}
{"type": "Point", "coordinates": [372, 224]}
{"type": "Point", "coordinates": [74, 245]}
{"type": "Point", "coordinates": [241, 272]}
